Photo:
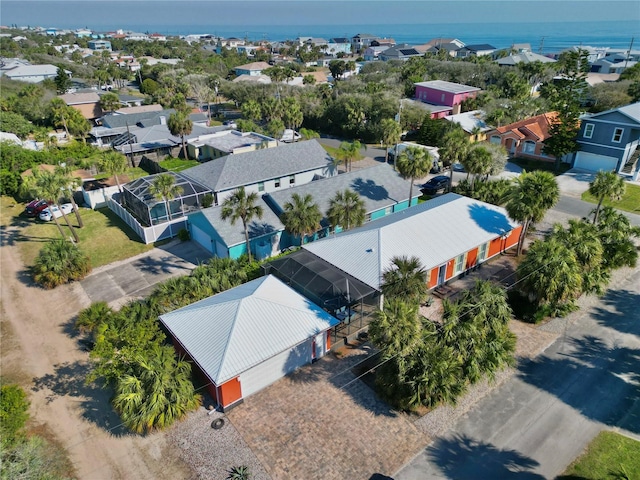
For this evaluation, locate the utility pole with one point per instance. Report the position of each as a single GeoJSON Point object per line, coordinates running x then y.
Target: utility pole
{"type": "Point", "coordinates": [541, 48]}
{"type": "Point", "coordinates": [130, 144]}
{"type": "Point", "coordinates": [626, 60]}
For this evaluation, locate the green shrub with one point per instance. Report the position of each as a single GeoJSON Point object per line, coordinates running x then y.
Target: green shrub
{"type": "Point", "coordinates": [184, 235]}
{"type": "Point", "coordinates": [60, 262]}
{"type": "Point", "coordinates": [207, 200]}
{"type": "Point", "coordinates": [14, 414]}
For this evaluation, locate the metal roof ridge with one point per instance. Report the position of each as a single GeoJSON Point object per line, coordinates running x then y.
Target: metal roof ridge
{"type": "Point", "coordinates": [228, 339]}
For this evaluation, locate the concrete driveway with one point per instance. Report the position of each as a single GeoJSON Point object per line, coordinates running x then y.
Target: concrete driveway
{"type": "Point", "coordinates": [575, 182]}
{"type": "Point", "coordinates": [118, 282]}
{"type": "Point", "coordinates": [536, 423]}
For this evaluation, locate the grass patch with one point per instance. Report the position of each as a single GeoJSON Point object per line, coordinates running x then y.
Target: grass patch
{"type": "Point", "coordinates": [609, 456]}
{"type": "Point", "coordinates": [630, 202]}
{"type": "Point", "coordinates": [530, 165]}
{"type": "Point", "coordinates": [178, 164]}
{"type": "Point", "coordinates": [104, 237]}
{"type": "Point", "coordinates": [333, 151]}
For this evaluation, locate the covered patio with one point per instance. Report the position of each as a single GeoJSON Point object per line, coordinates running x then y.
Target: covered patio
{"type": "Point", "coordinates": [343, 296]}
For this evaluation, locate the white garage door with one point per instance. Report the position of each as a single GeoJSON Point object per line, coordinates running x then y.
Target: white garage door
{"type": "Point", "coordinates": [274, 368]}
{"type": "Point", "coordinates": [202, 238]}
{"type": "Point", "coordinates": [593, 162]}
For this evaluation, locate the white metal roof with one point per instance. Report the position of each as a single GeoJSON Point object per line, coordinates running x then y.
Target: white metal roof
{"type": "Point", "coordinates": [434, 231]}
{"type": "Point", "coordinates": [228, 333]}
{"type": "Point", "coordinates": [447, 86]}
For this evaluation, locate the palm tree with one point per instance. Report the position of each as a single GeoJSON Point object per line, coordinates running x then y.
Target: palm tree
{"type": "Point", "coordinates": [157, 393]}
{"type": "Point", "coordinates": [606, 185]}
{"type": "Point", "coordinates": [346, 209]}
{"type": "Point", "coordinates": [113, 164]}
{"type": "Point", "coordinates": [91, 317]}
{"type": "Point", "coordinates": [60, 262]}
{"type": "Point", "coordinates": [478, 161]}
{"type": "Point", "coordinates": [49, 186]}
{"type": "Point", "coordinates": [164, 188]}
{"type": "Point", "coordinates": [550, 273]}
{"type": "Point", "coordinates": [71, 183]}
{"type": "Point", "coordinates": [240, 206]}
{"type": "Point", "coordinates": [405, 279]}
{"type": "Point", "coordinates": [110, 102]}
{"type": "Point", "coordinates": [59, 112]}
{"type": "Point", "coordinates": [616, 235]}
{"type": "Point", "coordinates": [532, 195]}
{"type": "Point", "coordinates": [349, 151]}
{"type": "Point", "coordinates": [455, 147]}
{"type": "Point", "coordinates": [180, 125]}
{"type": "Point", "coordinates": [397, 328]}
{"type": "Point", "coordinates": [301, 217]}
{"type": "Point", "coordinates": [391, 133]}
{"type": "Point", "coordinates": [414, 162]}
{"type": "Point", "coordinates": [583, 240]}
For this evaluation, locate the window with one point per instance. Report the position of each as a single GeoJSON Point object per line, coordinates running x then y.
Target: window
{"type": "Point", "coordinates": [617, 135]}
{"type": "Point", "coordinates": [442, 98]}
{"type": "Point", "coordinates": [292, 179]}
{"type": "Point", "coordinates": [588, 130]}
{"type": "Point", "coordinates": [261, 186]}
{"type": "Point", "coordinates": [277, 183]}
{"type": "Point", "coordinates": [495, 139]}
{"type": "Point", "coordinates": [482, 252]}
{"type": "Point", "coordinates": [529, 146]}
{"type": "Point", "coordinates": [388, 210]}
{"type": "Point", "coordinates": [459, 266]}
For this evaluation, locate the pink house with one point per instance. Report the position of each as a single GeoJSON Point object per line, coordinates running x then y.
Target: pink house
{"type": "Point", "coordinates": [444, 94]}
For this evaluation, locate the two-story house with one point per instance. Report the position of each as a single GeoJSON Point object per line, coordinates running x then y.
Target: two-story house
{"type": "Point", "coordinates": [444, 94]}
{"type": "Point", "coordinates": [609, 141]}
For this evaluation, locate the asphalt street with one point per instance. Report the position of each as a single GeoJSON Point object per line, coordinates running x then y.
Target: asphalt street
{"type": "Point", "coordinates": [536, 423]}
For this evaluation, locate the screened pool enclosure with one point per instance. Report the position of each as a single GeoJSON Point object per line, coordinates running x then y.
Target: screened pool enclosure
{"type": "Point", "coordinates": [150, 209]}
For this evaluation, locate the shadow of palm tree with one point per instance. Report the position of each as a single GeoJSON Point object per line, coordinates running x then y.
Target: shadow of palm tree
{"type": "Point", "coordinates": [489, 219]}
{"type": "Point", "coordinates": [68, 380]}
{"type": "Point", "coordinates": [369, 189]}
{"type": "Point", "coordinates": [609, 389]}
{"type": "Point", "coordinates": [465, 458]}
{"type": "Point", "coordinates": [623, 314]}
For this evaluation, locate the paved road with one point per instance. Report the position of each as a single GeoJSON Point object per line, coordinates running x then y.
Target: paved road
{"type": "Point", "coordinates": [580, 208]}
{"type": "Point", "coordinates": [535, 424]}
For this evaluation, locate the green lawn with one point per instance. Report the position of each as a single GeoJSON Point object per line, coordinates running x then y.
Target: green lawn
{"type": "Point", "coordinates": [104, 237]}
{"type": "Point", "coordinates": [333, 151]}
{"type": "Point", "coordinates": [178, 164]}
{"type": "Point", "coordinates": [608, 456]}
{"type": "Point", "coordinates": [630, 202]}
{"type": "Point", "coordinates": [530, 165]}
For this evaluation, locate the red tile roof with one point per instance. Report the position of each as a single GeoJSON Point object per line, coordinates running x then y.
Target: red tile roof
{"type": "Point", "coordinates": [536, 127]}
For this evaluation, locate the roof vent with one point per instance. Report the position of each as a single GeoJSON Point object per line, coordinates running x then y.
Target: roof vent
{"type": "Point", "coordinates": [369, 250]}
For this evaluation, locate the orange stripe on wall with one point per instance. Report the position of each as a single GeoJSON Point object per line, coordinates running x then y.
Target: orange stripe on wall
{"type": "Point", "coordinates": [230, 392]}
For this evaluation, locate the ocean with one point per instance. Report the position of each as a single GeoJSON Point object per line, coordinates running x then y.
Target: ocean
{"type": "Point", "coordinates": [474, 22]}
{"type": "Point", "coordinates": [545, 37]}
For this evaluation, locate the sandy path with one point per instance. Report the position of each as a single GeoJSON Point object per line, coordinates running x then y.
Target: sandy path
{"type": "Point", "coordinates": [38, 349]}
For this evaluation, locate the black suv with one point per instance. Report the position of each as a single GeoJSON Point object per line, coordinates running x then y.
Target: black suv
{"type": "Point", "coordinates": [436, 183]}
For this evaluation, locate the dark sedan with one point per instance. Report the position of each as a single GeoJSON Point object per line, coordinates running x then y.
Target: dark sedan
{"type": "Point", "coordinates": [436, 183]}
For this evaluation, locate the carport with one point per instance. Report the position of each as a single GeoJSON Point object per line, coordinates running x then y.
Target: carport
{"type": "Point", "coordinates": [345, 297]}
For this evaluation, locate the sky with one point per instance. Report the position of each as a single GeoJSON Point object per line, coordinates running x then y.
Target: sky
{"type": "Point", "coordinates": [94, 13]}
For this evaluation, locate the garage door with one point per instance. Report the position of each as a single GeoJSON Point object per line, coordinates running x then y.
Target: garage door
{"type": "Point", "coordinates": [274, 368]}
{"type": "Point", "coordinates": [201, 238]}
{"type": "Point", "coordinates": [593, 162]}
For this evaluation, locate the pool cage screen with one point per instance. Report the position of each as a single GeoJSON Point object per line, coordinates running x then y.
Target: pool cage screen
{"type": "Point", "coordinates": [137, 198]}
{"type": "Point", "coordinates": [319, 281]}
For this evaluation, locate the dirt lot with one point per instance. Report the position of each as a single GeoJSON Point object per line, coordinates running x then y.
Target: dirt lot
{"type": "Point", "coordinates": [39, 351]}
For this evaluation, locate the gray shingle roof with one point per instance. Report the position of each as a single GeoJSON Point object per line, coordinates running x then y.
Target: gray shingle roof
{"type": "Point", "coordinates": [234, 234]}
{"type": "Point", "coordinates": [148, 118]}
{"type": "Point", "coordinates": [241, 169]}
{"type": "Point", "coordinates": [378, 186]}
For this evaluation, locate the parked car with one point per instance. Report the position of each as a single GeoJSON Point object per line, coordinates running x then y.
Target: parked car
{"type": "Point", "coordinates": [436, 183]}
{"type": "Point", "coordinates": [230, 124]}
{"type": "Point", "coordinates": [50, 212]}
{"type": "Point", "coordinates": [457, 167]}
{"type": "Point", "coordinates": [34, 207]}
